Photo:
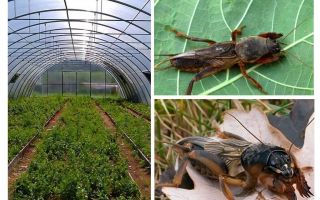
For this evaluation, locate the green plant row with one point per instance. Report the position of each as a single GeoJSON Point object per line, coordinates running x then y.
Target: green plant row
{"type": "Point", "coordinates": [136, 128]}
{"type": "Point", "coordinates": [25, 117]}
{"type": "Point", "coordinates": [141, 108]}
{"type": "Point", "coordinates": [78, 159]}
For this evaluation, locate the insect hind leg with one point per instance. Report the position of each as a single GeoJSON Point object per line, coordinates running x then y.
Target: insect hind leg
{"type": "Point", "coordinates": [157, 68]}
{"type": "Point", "coordinates": [185, 36]}
{"type": "Point", "coordinates": [203, 74]}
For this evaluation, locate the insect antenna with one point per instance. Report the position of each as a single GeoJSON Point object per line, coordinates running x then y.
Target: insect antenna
{"type": "Point", "coordinates": [294, 28]}
{"type": "Point", "coordinates": [290, 147]}
{"type": "Point", "coordinates": [166, 60]}
{"type": "Point", "coordinates": [245, 128]}
{"type": "Point", "coordinates": [294, 56]}
{"type": "Point", "coordinates": [172, 54]}
{"type": "Point", "coordinates": [160, 63]}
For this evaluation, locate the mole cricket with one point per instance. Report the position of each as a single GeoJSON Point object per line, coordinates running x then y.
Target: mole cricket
{"type": "Point", "coordinates": [220, 158]}
{"type": "Point", "coordinates": [260, 49]}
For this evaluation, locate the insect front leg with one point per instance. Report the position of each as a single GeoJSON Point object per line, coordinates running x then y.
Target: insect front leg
{"type": "Point", "coordinates": [185, 36]}
{"type": "Point", "coordinates": [299, 179]}
{"type": "Point", "coordinates": [277, 186]}
{"type": "Point", "coordinates": [203, 74]}
{"type": "Point", "coordinates": [236, 32]}
{"type": "Point", "coordinates": [270, 59]}
{"type": "Point", "coordinates": [252, 80]}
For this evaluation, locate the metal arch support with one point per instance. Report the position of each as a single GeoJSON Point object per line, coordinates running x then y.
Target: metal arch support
{"type": "Point", "coordinates": [49, 58]}
{"type": "Point", "coordinates": [128, 5]}
{"type": "Point", "coordinates": [17, 93]}
{"type": "Point", "coordinates": [128, 72]}
{"type": "Point", "coordinates": [26, 87]}
{"type": "Point", "coordinates": [54, 55]}
{"type": "Point", "coordinates": [79, 40]}
{"type": "Point", "coordinates": [57, 41]}
{"type": "Point", "coordinates": [91, 31]}
{"type": "Point", "coordinates": [67, 12]}
{"type": "Point", "coordinates": [32, 72]}
{"type": "Point", "coordinates": [85, 21]}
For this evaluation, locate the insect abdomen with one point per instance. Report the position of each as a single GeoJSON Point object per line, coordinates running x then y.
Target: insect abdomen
{"type": "Point", "coordinates": [187, 64]}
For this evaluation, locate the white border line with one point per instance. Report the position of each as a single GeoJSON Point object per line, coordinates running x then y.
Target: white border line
{"type": "Point", "coordinates": [316, 96]}
{"type": "Point", "coordinates": [152, 188]}
{"type": "Point", "coordinates": [4, 100]}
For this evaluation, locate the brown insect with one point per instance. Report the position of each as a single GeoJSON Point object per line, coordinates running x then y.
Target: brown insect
{"type": "Point", "coordinates": [232, 160]}
{"type": "Point", "coordinates": [261, 49]}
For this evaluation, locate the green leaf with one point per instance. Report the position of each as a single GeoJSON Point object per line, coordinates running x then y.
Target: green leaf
{"type": "Point", "coordinates": [292, 75]}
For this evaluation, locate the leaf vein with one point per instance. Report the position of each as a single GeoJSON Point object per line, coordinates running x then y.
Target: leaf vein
{"type": "Point", "coordinates": [297, 17]}
{"type": "Point", "coordinates": [283, 84]}
{"type": "Point", "coordinates": [244, 14]}
{"type": "Point", "coordinates": [223, 17]}
{"type": "Point", "coordinates": [273, 15]}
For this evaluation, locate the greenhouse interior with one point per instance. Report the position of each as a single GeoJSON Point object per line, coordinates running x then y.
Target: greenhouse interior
{"type": "Point", "coordinates": [79, 99]}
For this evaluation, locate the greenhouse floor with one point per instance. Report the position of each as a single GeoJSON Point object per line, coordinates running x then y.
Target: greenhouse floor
{"type": "Point", "coordinates": [64, 160]}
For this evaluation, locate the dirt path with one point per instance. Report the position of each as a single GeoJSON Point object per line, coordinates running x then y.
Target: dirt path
{"type": "Point", "coordinates": [23, 163]}
{"type": "Point", "coordinates": [136, 171]}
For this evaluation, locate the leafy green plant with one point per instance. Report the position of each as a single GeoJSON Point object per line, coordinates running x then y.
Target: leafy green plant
{"type": "Point", "coordinates": [25, 117]}
{"type": "Point", "coordinates": [137, 128]}
{"type": "Point", "coordinates": [215, 20]}
{"type": "Point", "coordinates": [141, 108]}
{"type": "Point", "coordinates": [79, 159]}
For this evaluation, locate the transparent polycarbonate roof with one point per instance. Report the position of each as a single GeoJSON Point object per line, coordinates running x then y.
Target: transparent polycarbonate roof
{"type": "Point", "coordinates": [113, 34]}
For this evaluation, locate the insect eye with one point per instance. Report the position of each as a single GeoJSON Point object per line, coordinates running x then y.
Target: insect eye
{"type": "Point", "coordinates": [286, 158]}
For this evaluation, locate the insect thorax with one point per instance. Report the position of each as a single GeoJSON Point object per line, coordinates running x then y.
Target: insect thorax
{"type": "Point", "coordinates": [251, 49]}
{"type": "Point", "coordinates": [260, 154]}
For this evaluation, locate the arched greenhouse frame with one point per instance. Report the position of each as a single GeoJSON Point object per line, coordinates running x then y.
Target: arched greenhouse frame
{"type": "Point", "coordinates": [112, 35]}
{"type": "Point", "coordinates": [79, 95]}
